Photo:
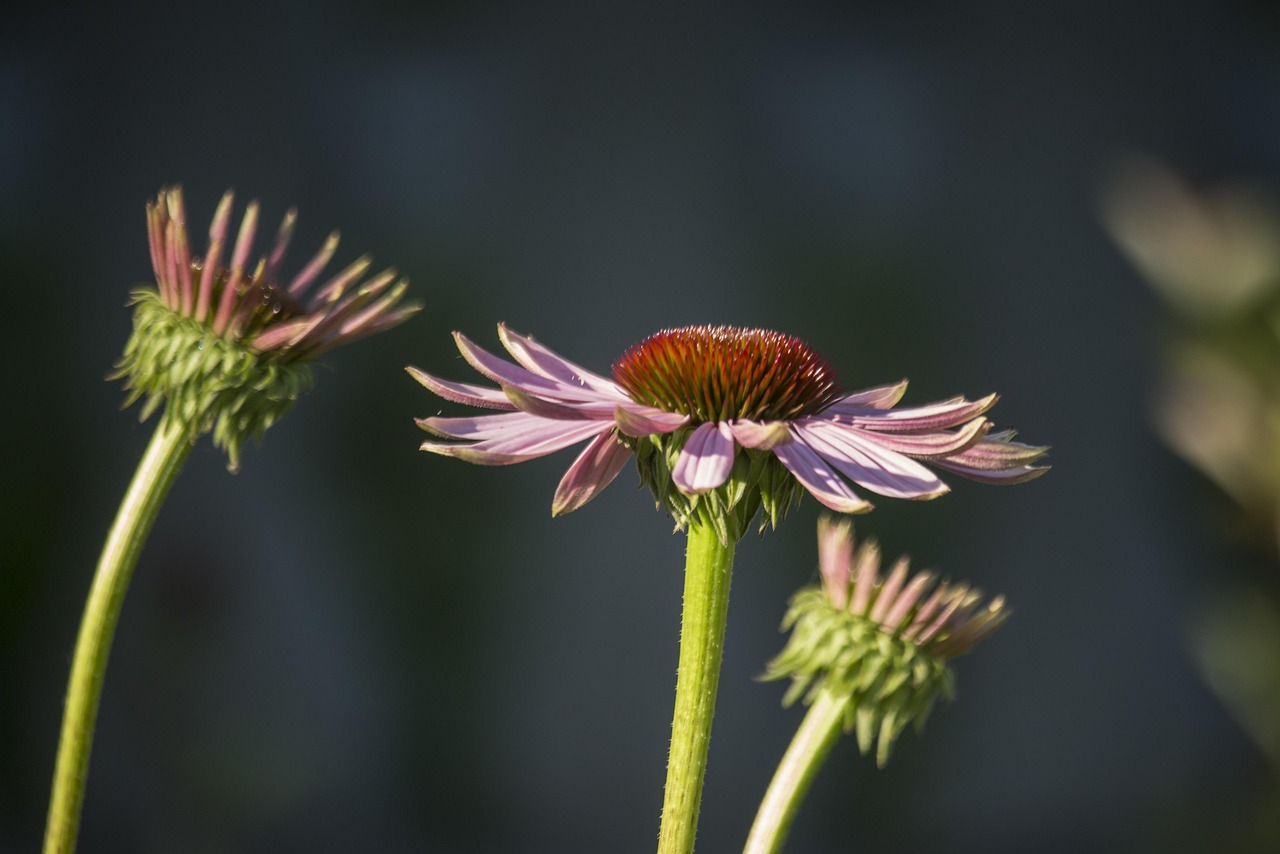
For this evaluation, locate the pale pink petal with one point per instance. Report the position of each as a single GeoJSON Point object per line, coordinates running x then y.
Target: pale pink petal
{"type": "Point", "coordinates": [593, 470]}
{"type": "Point", "coordinates": [1007, 477]}
{"type": "Point", "coordinates": [288, 333]}
{"type": "Point", "coordinates": [933, 416]}
{"type": "Point", "coordinates": [889, 590]}
{"type": "Point", "coordinates": [541, 360]}
{"type": "Point", "coordinates": [476, 428]}
{"type": "Point", "coordinates": [706, 459]}
{"type": "Point", "coordinates": [637, 421]}
{"type": "Point", "coordinates": [537, 441]}
{"type": "Point", "coordinates": [818, 478]}
{"type": "Point", "coordinates": [880, 397]}
{"type": "Point", "coordinates": [835, 558]}
{"type": "Point", "coordinates": [283, 237]}
{"type": "Point", "coordinates": [858, 458]}
{"type": "Point", "coordinates": [559, 411]}
{"type": "Point", "coordinates": [865, 575]}
{"type": "Point", "coordinates": [907, 600]}
{"type": "Point", "coordinates": [334, 289]}
{"type": "Point", "coordinates": [955, 598]}
{"type": "Point", "coordinates": [313, 267]}
{"type": "Point", "coordinates": [505, 373]}
{"type": "Point", "coordinates": [762, 435]}
{"type": "Point", "coordinates": [471, 395]}
{"type": "Point", "coordinates": [940, 443]}
{"type": "Point", "coordinates": [997, 452]}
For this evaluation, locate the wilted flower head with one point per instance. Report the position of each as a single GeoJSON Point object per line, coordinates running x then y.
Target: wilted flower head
{"type": "Point", "coordinates": [722, 421]}
{"type": "Point", "coordinates": [225, 343]}
{"type": "Point", "coordinates": [882, 641]}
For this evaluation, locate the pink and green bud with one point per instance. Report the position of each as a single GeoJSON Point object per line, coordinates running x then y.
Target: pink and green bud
{"type": "Point", "coordinates": [225, 344]}
{"type": "Point", "coordinates": [881, 640]}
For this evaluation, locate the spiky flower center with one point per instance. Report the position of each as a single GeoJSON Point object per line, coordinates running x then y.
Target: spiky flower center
{"type": "Point", "coordinates": [721, 373]}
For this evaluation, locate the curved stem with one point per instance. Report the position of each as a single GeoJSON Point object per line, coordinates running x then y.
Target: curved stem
{"type": "Point", "coordinates": [819, 730]}
{"type": "Point", "coordinates": [708, 567]}
{"type": "Point", "coordinates": [159, 467]}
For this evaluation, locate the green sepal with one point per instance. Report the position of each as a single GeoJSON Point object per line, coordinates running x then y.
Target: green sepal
{"type": "Point", "coordinates": [208, 383]}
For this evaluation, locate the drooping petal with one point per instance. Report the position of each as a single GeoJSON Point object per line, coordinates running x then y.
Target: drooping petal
{"type": "Point", "coordinates": [858, 458]}
{"type": "Point", "coordinates": [465, 393]}
{"type": "Point", "coordinates": [880, 397]}
{"type": "Point", "coordinates": [763, 436]}
{"type": "Point", "coordinates": [593, 470]}
{"type": "Point", "coordinates": [637, 421]}
{"type": "Point", "coordinates": [477, 428]}
{"type": "Point", "coordinates": [938, 443]}
{"type": "Point", "coordinates": [997, 460]}
{"type": "Point", "coordinates": [818, 478]}
{"type": "Point", "coordinates": [933, 416]}
{"type": "Point", "coordinates": [1006, 477]}
{"type": "Point", "coordinates": [551, 365]}
{"type": "Point", "coordinates": [706, 459]}
{"type": "Point", "coordinates": [998, 452]}
{"type": "Point", "coordinates": [516, 446]}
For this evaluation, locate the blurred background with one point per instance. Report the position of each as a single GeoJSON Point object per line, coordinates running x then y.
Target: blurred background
{"type": "Point", "coordinates": [352, 646]}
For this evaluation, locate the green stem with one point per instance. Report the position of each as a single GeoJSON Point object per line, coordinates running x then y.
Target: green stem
{"type": "Point", "coordinates": [819, 730]}
{"type": "Point", "coordinates": [157, 471]}
{"type": "Point", "coordinates": [708, 567]}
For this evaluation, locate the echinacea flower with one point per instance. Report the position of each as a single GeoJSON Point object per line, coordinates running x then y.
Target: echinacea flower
{"type": "Point", "coordinates": [880, 642]}
{"type": "Point", "coordinates": [225, 343]}
{"type": "Point", "coordinates": [732, 417]}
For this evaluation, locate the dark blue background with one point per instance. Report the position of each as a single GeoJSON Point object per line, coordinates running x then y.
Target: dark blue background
{"type": "Point", "coordinates": [351, 646]}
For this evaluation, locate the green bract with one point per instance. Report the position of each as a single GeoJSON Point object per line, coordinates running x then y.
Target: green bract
{"type": "Point", "coordinates": [207, 382]}
{"type": "Point", "coordinates": [757, 481]}
{"type": "Point", "coordinates": [891, 681]}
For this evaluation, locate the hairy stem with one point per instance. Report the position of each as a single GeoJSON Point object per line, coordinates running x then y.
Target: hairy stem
{"type": "Point", "coordinates": [155, 475]}
{"type": "Point", "coordinates": [819, 730]}
{"type": "Point", "coordinates": [708, 566]}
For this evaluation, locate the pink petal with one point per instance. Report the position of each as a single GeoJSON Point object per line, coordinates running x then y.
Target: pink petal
{"type": "Point", "coordinates": [889, 590]}
{"type": "Point", "coordinates": [477, 428]}
{"type": "Point", "coordinates": [859, 459]}
{"type": "Point", "coordinates": [940, 443]}
{"type": "Point", "coordinates": [1006, 477]}
{"type": "Point", "coordinates": [763, 435]}
{"type": "Point", "coordinates": [508, 374]}
{"type": "Point", "coordinates": [817, 477]}
{"type": "Point", "coordinates": [559, 411]}
{"type": "Point", "coordinates": [521, 445]}
{"type": "Point", "coordinates": [706, 459]}
{"type": "Point", "coordinates": [313, 267]}
{"type": "Point", "coordinates": [865, 577]}
{"type": "Point", "coordinates": [540, 360]}
{"type": "Point", "coordinates": [835, 558]}
{"type": "Point", "coordinates": [471, 395]}
{"type": "Point", "coordinates": [880, 397]}
{"type": "Point", "coordinates": [905, 602]}
{"type": "Point", "coordinates": [933, 416]}
{"type": "Point", "coordinates": [637, 421]}
{"type": "Point", "coordinates": [997, 452]}
{"type": "Point", "coordinates": [593, 470]}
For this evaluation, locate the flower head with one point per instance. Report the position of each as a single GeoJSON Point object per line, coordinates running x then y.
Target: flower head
{"type": "Point", "coordinates": [882, 641]}
{"type": "Point", "coordinates": [225, 344]}
{"type": "Point", "coordinates": [722, 421]}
